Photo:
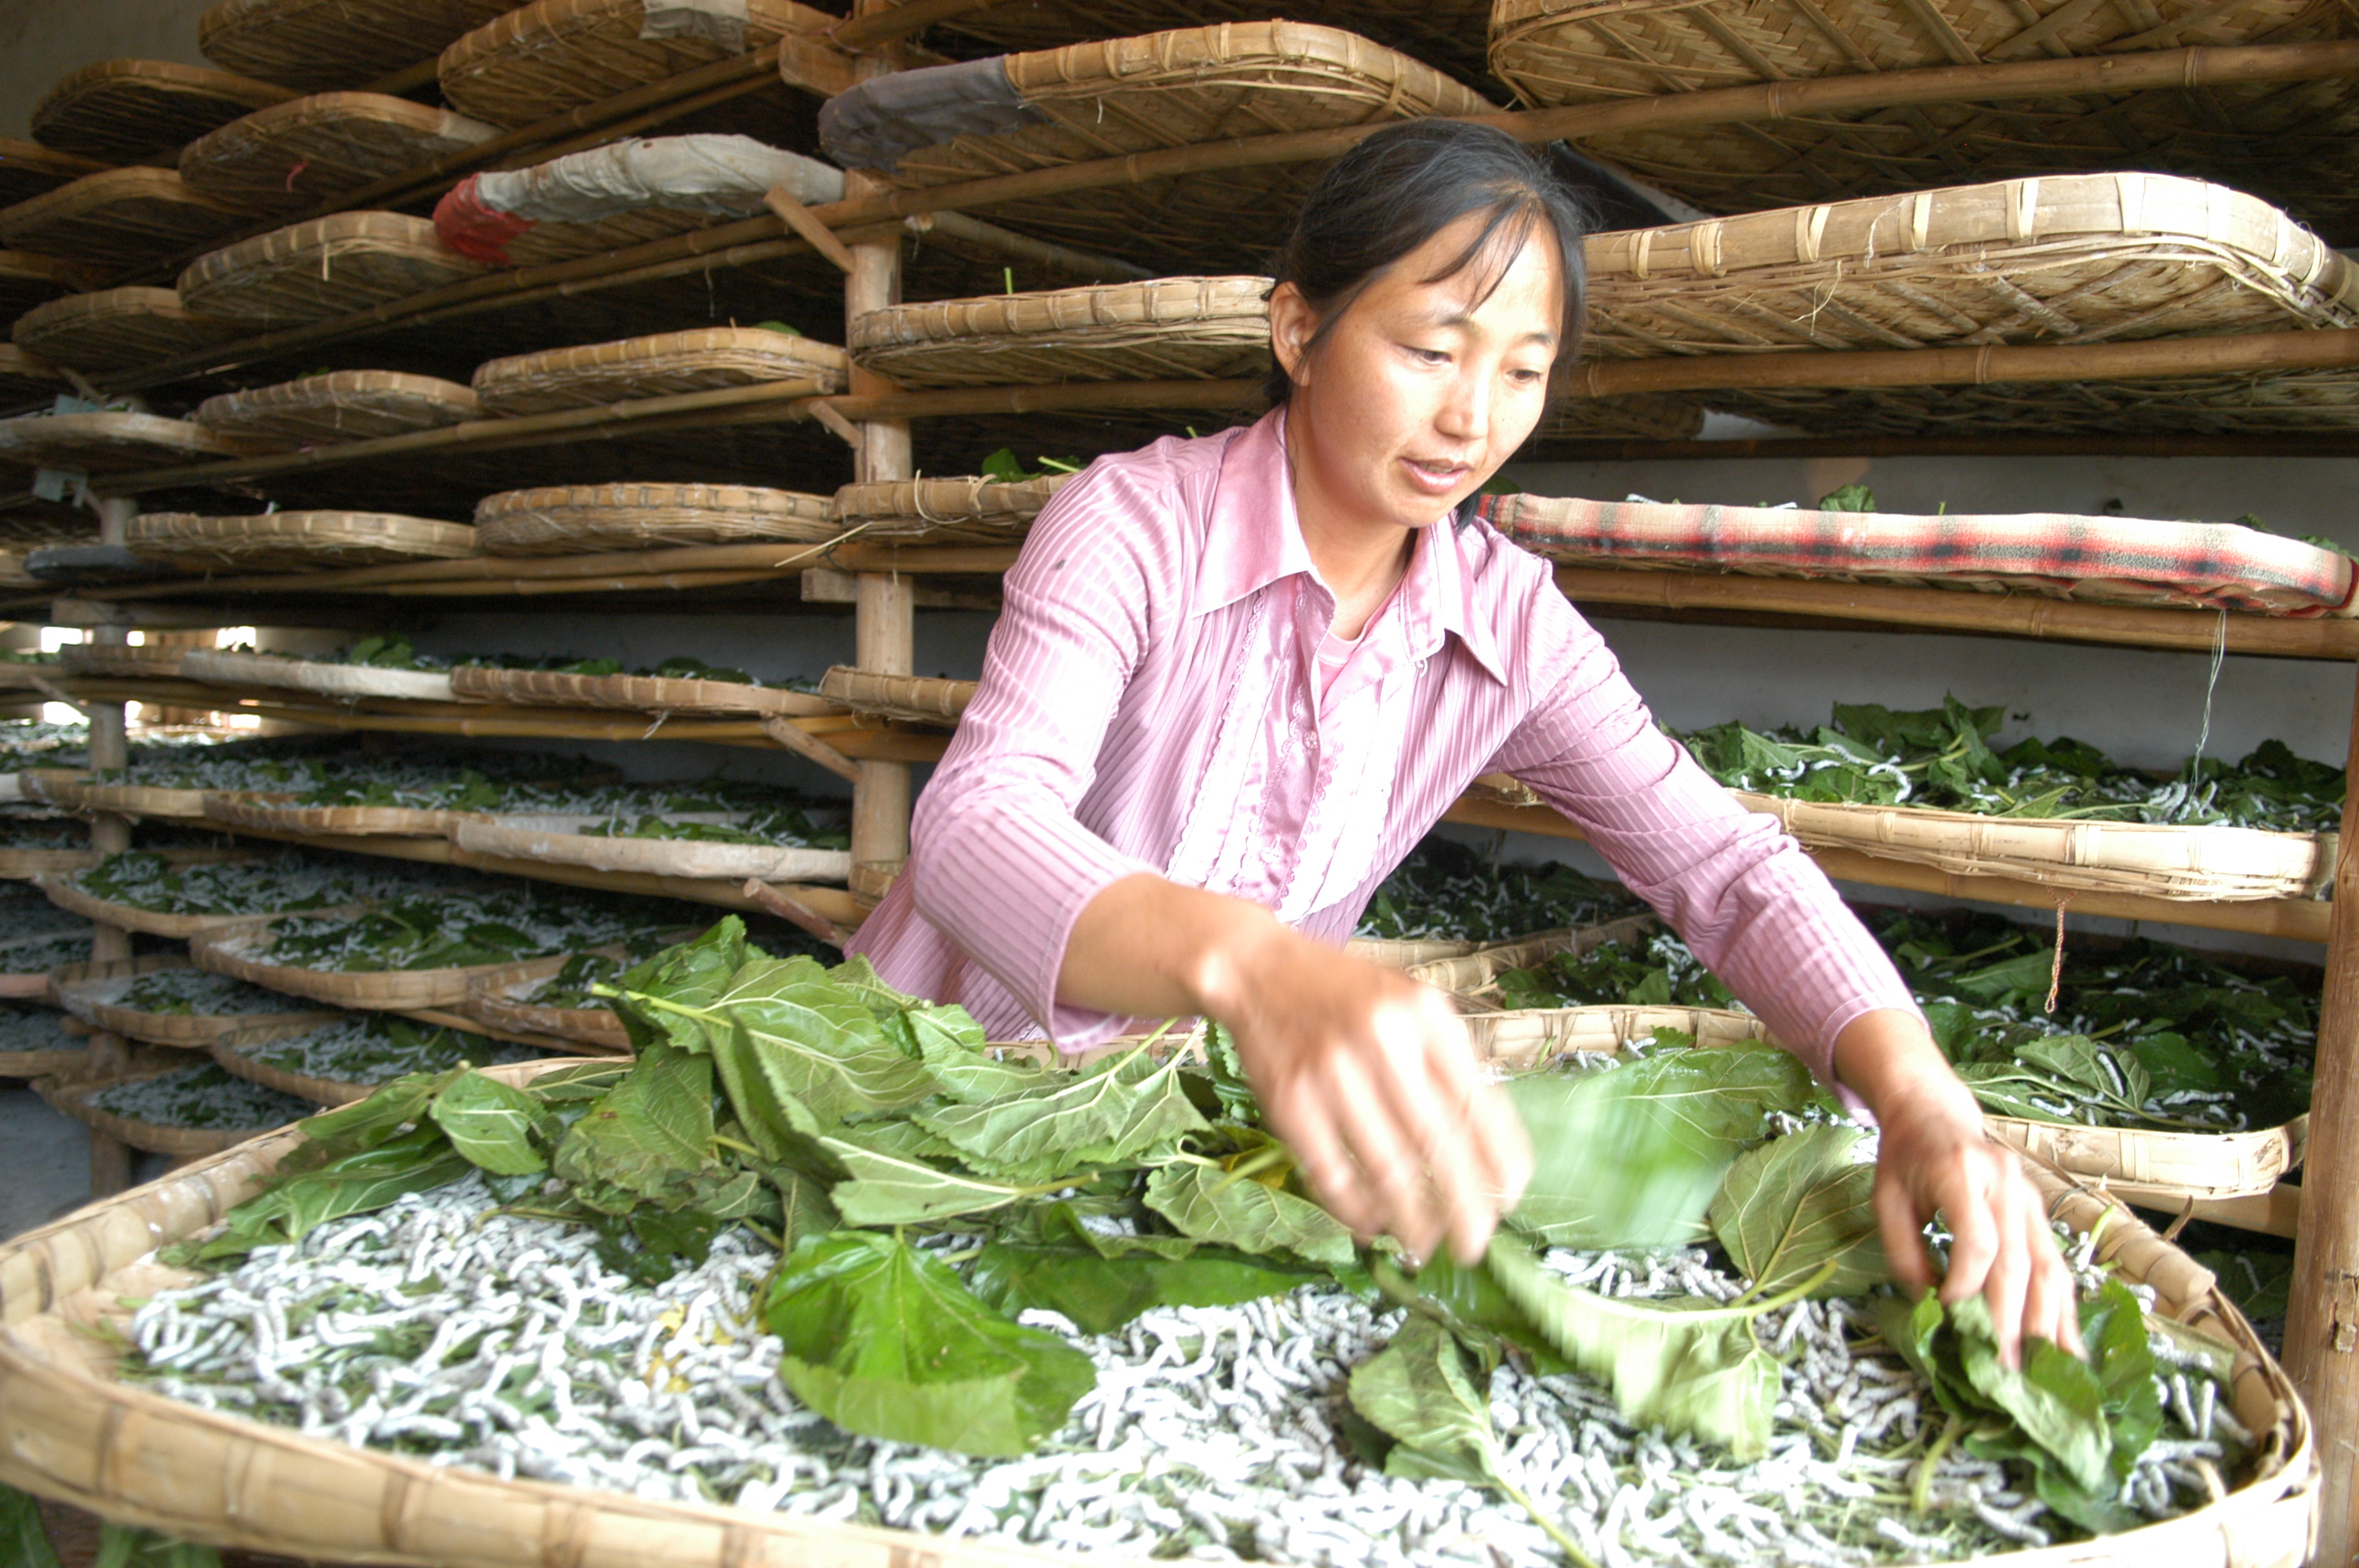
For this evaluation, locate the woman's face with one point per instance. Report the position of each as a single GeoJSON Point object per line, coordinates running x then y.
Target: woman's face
{"type": "Point", "coordinates": [1421, 390]}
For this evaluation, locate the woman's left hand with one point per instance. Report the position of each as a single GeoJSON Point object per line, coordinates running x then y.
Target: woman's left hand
{"type": "Point", "coordinates": [1935, 1159]}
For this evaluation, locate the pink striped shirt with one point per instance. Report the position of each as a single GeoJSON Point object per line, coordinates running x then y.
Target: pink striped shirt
{"type": "Point", "coordinates": [1149, 703]}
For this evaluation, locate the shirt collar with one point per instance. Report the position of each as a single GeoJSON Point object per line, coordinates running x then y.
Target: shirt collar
{"type": "Point", "coordinates": [1243, 553]}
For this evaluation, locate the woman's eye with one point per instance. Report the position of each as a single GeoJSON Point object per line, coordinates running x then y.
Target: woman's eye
{"type": "Point", "coordinates": [1430, 356]}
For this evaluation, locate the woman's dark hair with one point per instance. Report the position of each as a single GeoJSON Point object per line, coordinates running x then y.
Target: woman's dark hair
{"type": "Point", "coordinates": [1406, 184]}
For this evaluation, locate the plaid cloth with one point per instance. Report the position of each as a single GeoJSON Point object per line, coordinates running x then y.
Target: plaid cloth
{"type": "Point", "coordinates": [2118, 559]}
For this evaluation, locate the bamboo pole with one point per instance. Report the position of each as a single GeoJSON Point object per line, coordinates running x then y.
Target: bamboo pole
{"type": "Point", "coordinates": [110, 834]}
{"type": "Point", "coordinates": [2321, 1340]}
{"type": "Point", "coordinates": [2027, 615]}
{"type": "Point", "coordinates": [2303, 920]}
{"type": "Point", "coordinates": [883, 611]}
{"type": "Point", "coordinates": [1773, 100]}
{"type": "Point", "coordinates": [2257, 444]}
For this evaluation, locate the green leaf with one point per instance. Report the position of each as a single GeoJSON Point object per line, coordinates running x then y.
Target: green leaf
{"type": "Point", "coordinates": [885, 1342]}
{"type": "Point", "coordinates": [2053, 1397]}
{"type": "Point", "coordinates": [1850, 498]}
{"type": "Point", "coordinates": [1101, 1293]}
{"type": "Point", "coordinates": [1106, 1115]}
{"type": "Point", "coordinates": [1213, 1205]}
{"type": "Point", "coordinates": [501, 1129]}
{"type": "Point", "coordinates": [648, 1131]}
{"type": "Point", "coordinates": [1418, 1391]}
{"type": "Point", "coordinates": [774, 1117]}
{"type": "Point", "coordinates": [1694, 1370]}
{"type": "Point", "coordinates": [971, 1077]}
{"type": "Point", "coordinates": [128, 1546]}
{"type": "Point", "coordinates": [2113, 1326]}
{"type": "Point", "coordinates": [892, 1189]}
{"type": "Point", "coordinates": [1630, 1156]}
{"type": "Point", "coordinates": [23, 1539]}
{"type": "Point", "coordinates": [360, 1182]}
{"type": "Point", "coordinates": [366, 1123]}
{"type": "Point", "coordinates": [1794, 1204]}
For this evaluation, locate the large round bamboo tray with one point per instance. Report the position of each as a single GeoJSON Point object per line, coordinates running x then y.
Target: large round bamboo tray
{"type": "Point", "coordinates": [224, 948]}
{"type": "Point", "coordinates": [27, 281]}
{"type": "Point", "coordinates": [273, 815]}
{"type": "Point", "coordinates": [68, 1062]}
{"type": "Point", "coordinates": [216, 668]}
{"type": "Point", "coordinates": [121, 111]}
{"type": "Point", "coordinates": [326, 267]}
{"type": "Point", "coordinates": [2083, 257]}
{"type": "Point", "coordinates": [1396, 954]}
{"type": "Point", "coordinates": [123, 660]}
{"type": "Point", "coordinates": [2161, 1170]}
{"type": "Point", "coordinates": [341, 405]}
{"type": "Point", "coordinates": [123, 217]}
{"type": "Point", "coordinates": [946, 511]}
{"type": "Point", "coordinates": [294, 540]}
{"type": "Point", "coordinates": [73, 1096]}
{"type": "Point", "coordinates": [704, 359]}
{"type": "Point", "coordinates": [302, 1086]}
{"type": "Point", "coordinates": [24, 379]}
{"type": "Point", "coordinates": [543, 59]}
{"type": "Point", "coordinates": [19, 979]}
{"type": "Point", "coordinates": [323, 45]}
{"type": "Point", "coordinates": [23, 865]}
{"type": "Point", "coordinates": [2205, 864]}
{"type": "Point", "coordinates": [493, 1002]}
{"type": "Point", "coordinates": [2285, 402]}
{"type": "Point", "coordinates": [583, 519]}
{"type": "Point", "coordinates": [1468, 977]}
{"type": "Point", "coordinates": [642, 694]}
{"type": "Point", "coordinates": [28, 170]}
{"type": "Point", "coordinates": [1092, 100]}
{"type": "Point", "coordinates": [2290, 143]}
{"type": "Point", "coordinates": [108, 442]}
{"type": "Point", "coordinates": [925, 700]}
{"type": "Point", "coordinates": [559, 839]}
{"type": "Point", "coordinates": [295, 154]}
{"type": "Point", "coordinates": [76, 790]}
{"type": "Point", "coordinates": [1643, 416]}
{"type": "Point", "coordinates": [2106, 559]}
{"type": "Point", "coordinates": [116, 328]}
{"type": "Point", "coordinates": [130, 917]}
{"type": "Point", "coordinates": [74, 1432]}
{"type": "Point", "coordinates": [1445, 33]}
{"type": "Point", "coordinates": [1163, 329]}
{"type": "Point", "coordinates": [92, 992]}
{"type": "Point", "coordinates": [550, 240]}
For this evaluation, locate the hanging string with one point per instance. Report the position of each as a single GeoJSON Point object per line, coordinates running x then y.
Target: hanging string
{"type": "Point", "coordinates": [2056, 970]}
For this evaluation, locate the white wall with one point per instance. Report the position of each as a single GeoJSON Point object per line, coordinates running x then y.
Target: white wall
{"type": "Point", "coordinates": [41, 41]}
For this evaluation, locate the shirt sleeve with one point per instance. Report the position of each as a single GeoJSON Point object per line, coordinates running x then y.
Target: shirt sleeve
{"type": "Point", "coordinates": [998, 861]}
{"type": "Point", "coordinates": [1753, 906]}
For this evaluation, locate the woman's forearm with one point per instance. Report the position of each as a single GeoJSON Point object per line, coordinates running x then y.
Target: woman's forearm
{"type": "Point", "coordinates": [1887, 1059]}
{"type": "Point", "coordinates": [1148, 948]}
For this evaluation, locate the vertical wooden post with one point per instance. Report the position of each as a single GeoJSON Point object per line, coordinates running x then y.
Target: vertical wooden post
{"type": "Point", "coordinates": [883, 611]}
{"type": "Point", "coordinates": [2321, 1343]}
{"type": "Point", "coordinates": [110, 1161]}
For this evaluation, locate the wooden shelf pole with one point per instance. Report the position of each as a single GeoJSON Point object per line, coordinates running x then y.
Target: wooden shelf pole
{"type": "Point", "coordinates": [110, 1161]}
{"type": "Point", "coordinates": [2322, 1341]}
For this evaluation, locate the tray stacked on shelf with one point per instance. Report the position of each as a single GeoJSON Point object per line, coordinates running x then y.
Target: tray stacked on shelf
{"type": "Point", "coordinates": [116, 328]}
{"type": "Point", "coordinates": [291, 541]}
{"type": "Point", "coordinates": [324, 46]}
{"type": "Point", "coordinates": [140, 890]}
{"type": "Point", "coordinates": [169, 1107]}
{"type": "Point", "coordinates": [653, 694]}
{"type": "Point", "coordinates": [165, 999]}
{"type": "Point", "coordinates": [296, 154]}
{"type": "Point", "coordinates": [108, 441]}
{"type": "Point", "coordinates": [925, 700]}
{"type": "Point", "coordinates": [550, 999]}
{"type": "Point", "coordinates": [336, 405]}
{"type": "Point", "coordinates": [2290, 143]}
{"type": "Point", "coordinates": [586, 519]}
{"type": "Point", "coordinates": [2078, 260]}
{"type": "Point", "coordinates": [34, 1043]}
{"type": "Point", "coordinates": [28, 170]}
{"type": "Point", "coordinates": [322, 268]}
{"type": "Point", "coordinates": [1107, 99]}
{"type": "Point", "coordinates": [120, 218]}
{"type": "Point", "coordinates": [979, 511]}
{"type": "Point", "coordinates": [543, 59]}
{"type": "Point", "coordinates": [702, 358]}
{"type": "Point", "coordinates": [126, 111]}
{"type": "Point", "coordinates": [1163, 328]}
{"type": "Point", "coordinates": [328, 677]}
{"type": "Point", "coordinates": [27, 281]}
{"type": "Point", "coordinates": [351, 1055]}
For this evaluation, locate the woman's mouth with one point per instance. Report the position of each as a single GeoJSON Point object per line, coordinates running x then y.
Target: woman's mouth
{"type": "Point", "coordinates": [1435, 478]}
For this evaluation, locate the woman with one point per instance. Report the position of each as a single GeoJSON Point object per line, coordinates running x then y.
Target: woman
{"type": "Point", "coordinates": [1238, 678]}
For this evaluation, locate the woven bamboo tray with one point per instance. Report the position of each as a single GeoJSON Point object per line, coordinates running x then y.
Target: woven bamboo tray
{"type": "Point", "coordinates": [25, 379]}
{"type": "Point", "coordinates": [28, 170]}
{"type": "Point", "coordinates": [64, 1062]}
{"type": "Point", "coordinates": [946, 511]}
{"type": "Point", "coordinates": [559, 839]}
{"type": "Point", "coordinates": [2282, 402]}
{"type": "Point", "coordinates": [23, 865]}
{"type": "Point", "coordinates": [1092, 100]}
{"type": "Point", "coordinates": [341, 405]}
{"type": "Point", "coordinates": [1643, 416]}
{"type": "Point", "coordinates": [27, 281]}
{"type": "Point", "coordinates": [543, 59]}
{"type": "Point", "coordinates": [121, 111]}
{"type": "Point", "coordinates": [2162, 1170]}
{"type": "Point", "coordinates": [108, 442]}
{"type": "Point", "coordinates": [550, 240]}
{"type": "Point", "coordinates": [73, 1429]}
{"type": "Point", "coordinates": [292, 541]}
{"type": "Point", "coordinates": [2088, 258]}
{"type": "Point", "coordinates": [130, 917]}
{"type": "Point", "coordinates": [310, 675]}
{"type": "Point", "coordinates": [641, 694]}
{"type": "Point", "coordinates": [323, 45]}
{"type": "Point", "coordinates": [224, 949]}
{"type": "Point", "coordinates": [583, 519]}
{"type": "Point", "coordinates": [492, 1001]}
{"type": "Point", "coordinates": [1467, 977]}
{"type": "Point", "coordinates": [1395, 954]}
{"type": "Point", "coordinates": [73, 1096]}
{"type": "Point", "coordinates": [323, 268]}
{"type": "Point", "coordinates": [2289, 142]}
{"type": "Point", "coordinates": [1163, 329]}
{"type": "Point", "coordinates": [703, 359]}
{"type": "Point", "coordinates": [19, 980]}
{"type": "Point", "coordinates": [925, 700]}
{"type": "Point", "coordinates": [92, 992]}
{"type": "Point", "coordinates": [2205, 864]}
{"type": "Point", "coordinates": [302, 1086]}
{"type": "Point", "coordinates": [272, 813]}
{"type": "Point", "coordinates": [123, 216]}
{"type": "Point", "coordinates": [295, 154]}
{"type": "Point", "coordinates": [116, 328]}
{"type": "Point", "coordinates": [122, 660]}
{"type": "Point", "coordinates": [76, 791]}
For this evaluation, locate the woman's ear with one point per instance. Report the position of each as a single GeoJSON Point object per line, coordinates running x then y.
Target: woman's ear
{"type": "Point", "coordinates": [1292, 324]}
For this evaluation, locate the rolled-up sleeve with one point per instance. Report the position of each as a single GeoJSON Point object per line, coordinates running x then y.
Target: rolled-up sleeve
{"type": "Point", "coordinates": [1733, 883]}
{"type": "Point", "coordinates": [999, 863]}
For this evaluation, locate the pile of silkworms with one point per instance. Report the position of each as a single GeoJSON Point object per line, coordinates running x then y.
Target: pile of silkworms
{"type": "Point", "coordinates": [500, 1342]}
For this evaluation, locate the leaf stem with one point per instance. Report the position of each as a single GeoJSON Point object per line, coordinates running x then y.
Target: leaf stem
{"type": "Point", "coordinates": [1571, 1548]}
{"type": "Point", "coordinates": [1921, 1487]}
{"type": "Point", "coordinates": [727, 1143]}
